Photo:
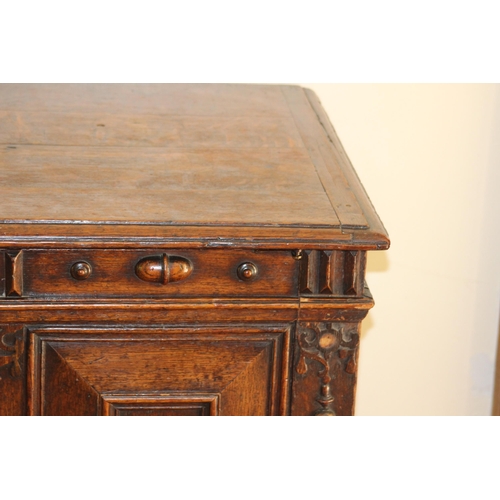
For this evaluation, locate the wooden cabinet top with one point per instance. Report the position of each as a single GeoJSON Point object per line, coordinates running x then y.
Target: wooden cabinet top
{"type": "Point", "coordinates": [197, 165]}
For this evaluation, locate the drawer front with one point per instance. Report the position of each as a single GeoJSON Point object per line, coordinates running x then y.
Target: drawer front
{"type": "Point", "coordinates": [155, 273]}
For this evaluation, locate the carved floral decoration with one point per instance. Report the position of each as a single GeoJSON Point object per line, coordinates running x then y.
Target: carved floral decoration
{"type": "Point", "coordinates": [327, 345]}
{"type": "Point", "coordinates": [11, 351]}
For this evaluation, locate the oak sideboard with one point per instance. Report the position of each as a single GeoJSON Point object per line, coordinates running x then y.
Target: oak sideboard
{"type": "Point", "coordinates": [178, 250]}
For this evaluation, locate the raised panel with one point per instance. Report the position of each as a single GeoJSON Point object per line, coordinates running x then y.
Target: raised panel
{"type": "Point", "coordinates": [61, 390]}
{"type": "Point", "coordinates": [93, 371]}
{"type": "Point", "coordinates": [180, 404]}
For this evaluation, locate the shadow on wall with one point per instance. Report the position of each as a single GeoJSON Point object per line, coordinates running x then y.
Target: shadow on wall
{"type": "Point", "coordinates": [496, 393]}
{"type": "Point", "coordinates": [378, 262]}
{"type": "Point", "coordinates": [484, 352]}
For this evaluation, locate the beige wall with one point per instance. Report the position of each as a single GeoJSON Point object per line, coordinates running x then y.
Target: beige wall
{"type": "Point", "coordinates": [429, 158]}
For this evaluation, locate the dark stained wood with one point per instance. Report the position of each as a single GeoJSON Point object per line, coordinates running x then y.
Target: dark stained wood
{"type": "Point", "coordinates": [212, 273]}
{"type": "Point", "coordinates": [157, 311]}
{"type": "Point", "coordinates": [80, 271]}
{"type": "Point", "coordinates": [178, 250]}
{"type": "Point", "coordinates": [354, 272]}
{"type": "Point", "coordinates": [325, 369]}
{"type": "Point", "coordinates": [141, 236]}
{"type": "Point", "coordinates": [14, 265]}
{"type": "Point", "coordinates": [163, 268]}
{"type": "Point", "coordinates": [12, 369]}
{"type": "Point", "coordinates": [161, 405]}
{"type": "Point", "coordinates": [332, 272]}
{"type": "Point", "coordinates": [151, 311]}
{"type": "Point", "coordinates": [2, 273]}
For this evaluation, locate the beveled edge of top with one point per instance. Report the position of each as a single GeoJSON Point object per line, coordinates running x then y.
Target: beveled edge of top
{"type": "Point", "coordinates": [376, 227]}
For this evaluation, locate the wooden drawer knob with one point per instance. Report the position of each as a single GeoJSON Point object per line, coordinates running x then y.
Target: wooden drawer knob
{"type": "Point", "coordinates": [247, 271]}
{"type": "Point", "coordinates": [163, 268]}
{"type": "Point", "coordinates": [81, 270]}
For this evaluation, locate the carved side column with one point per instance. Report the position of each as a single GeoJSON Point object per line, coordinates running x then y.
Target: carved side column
{"type": "Point", "coordinates": [325, 365]}
{"type": "Point", "coordinates": [334, 300]}
{"type": "Point", "coordinates": [12, 370]}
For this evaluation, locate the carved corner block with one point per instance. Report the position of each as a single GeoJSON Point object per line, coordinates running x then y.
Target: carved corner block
{"type": "Point", "coordinates": [324, 371]}
{"type": "Point", "coordinates": [13, 274]}
{"type": "Point", "coordinates": [332, 272]}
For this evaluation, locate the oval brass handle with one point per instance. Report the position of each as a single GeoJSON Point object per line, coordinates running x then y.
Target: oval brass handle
{"type": "Point", "coordinates": [163, 268]}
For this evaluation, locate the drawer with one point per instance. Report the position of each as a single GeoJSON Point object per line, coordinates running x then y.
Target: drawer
{"type": "Point", "coordinates": [152, 273]}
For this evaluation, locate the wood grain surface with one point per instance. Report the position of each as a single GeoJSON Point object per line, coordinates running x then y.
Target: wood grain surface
{"type": "Point", "coordinates": [220, 157]}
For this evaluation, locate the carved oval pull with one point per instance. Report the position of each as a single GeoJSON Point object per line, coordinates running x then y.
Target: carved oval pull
{"type": "Point", "coordinates": [163, 268]}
